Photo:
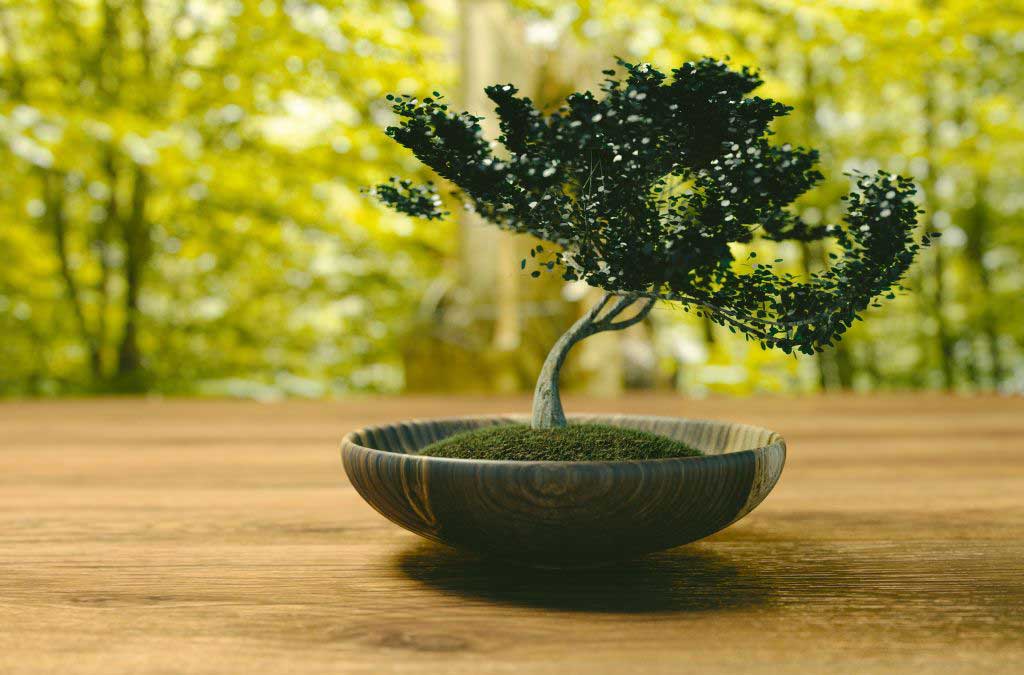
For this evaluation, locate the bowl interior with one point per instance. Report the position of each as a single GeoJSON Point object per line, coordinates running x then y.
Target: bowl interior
{"type": "Point", "coordinates": [709, 436]}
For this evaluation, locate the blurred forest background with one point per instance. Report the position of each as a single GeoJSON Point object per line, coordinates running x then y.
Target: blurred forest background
{"type": "Point", "coordinates": [180, 207]}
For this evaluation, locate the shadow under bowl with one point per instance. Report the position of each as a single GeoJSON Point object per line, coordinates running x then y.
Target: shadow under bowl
{"type": "Point", "coordinates": [564, 513]}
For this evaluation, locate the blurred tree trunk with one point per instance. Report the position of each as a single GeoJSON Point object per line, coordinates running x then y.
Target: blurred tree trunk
{"type": "Point", "coordinates": [56, 217]}
{"type": "Point", "coordinates": [930, 204]}
{"type": "Point", "coordinates": [834, 367]}
{"type": "Point", "coordinates": [978, 229]}
{"type": "Point", "coordinates": [489, 263]}
{"type": "Point", "coordinates": [135, 237]}
{"type": "Point", "coordinates": [102, 244]}
{"type": "Point", "coordinates": [135, 227]}
{"type": "Point", "coordinates": [937, 268]}
{"type": "Point", "coordinates": [988, 370]}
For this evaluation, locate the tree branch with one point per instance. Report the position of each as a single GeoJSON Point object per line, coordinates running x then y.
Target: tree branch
{"type": "Point", "coordinates": [645, 309]}
{"type": "Point", "coordinates": [685, 299]}
{"type": "Point", "coordinates": [620, 305]}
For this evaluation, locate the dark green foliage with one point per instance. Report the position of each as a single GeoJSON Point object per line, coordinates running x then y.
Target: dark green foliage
{"type": "Point", "coordinates": [573, 443]}
{"type": "Point", "coordinates": [421, 201]}
{"type": "Point", "coordinates": [645, 189]}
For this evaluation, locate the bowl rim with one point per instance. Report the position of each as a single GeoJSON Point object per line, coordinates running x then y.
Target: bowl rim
{"type": "Point", "coordinates": [775, 439]}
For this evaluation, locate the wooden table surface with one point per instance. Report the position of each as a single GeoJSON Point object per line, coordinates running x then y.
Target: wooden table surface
{"type": "Point", "coordinates": [151, 536]}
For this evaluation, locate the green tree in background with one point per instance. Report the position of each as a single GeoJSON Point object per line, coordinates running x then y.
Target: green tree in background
{"type": "Point", "coordinates": [179, 207]}
{"type": "Point", "coordinates": [179, 198]}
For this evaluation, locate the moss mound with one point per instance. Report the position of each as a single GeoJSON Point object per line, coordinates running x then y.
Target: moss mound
{"type": "Point", "coordinates": [574, 443]}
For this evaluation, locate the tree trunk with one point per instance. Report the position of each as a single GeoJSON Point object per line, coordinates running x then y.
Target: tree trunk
{"type": "Point", "coordinates": [547, 401]}
{"type": "Point", "coordinates": [488, 52]}
{"type": "Point", "coordinates": [136, 248]}
{"type": "Point", "coordinates": [102, 235]}
{"type": "Point", "coordinates": [930, 203]}
{"type": "Point", "coordinates": [53, 185]}
{"type": "Point", "coordinates": [978, 235]}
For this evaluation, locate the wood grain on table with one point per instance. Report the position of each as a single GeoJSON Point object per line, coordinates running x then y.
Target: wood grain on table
{"type": "Point", "coordinates": [163, 536]}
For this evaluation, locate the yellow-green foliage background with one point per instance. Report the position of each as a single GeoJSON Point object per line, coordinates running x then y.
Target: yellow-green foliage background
{"type": "Point", "coordinates": [180, 207]}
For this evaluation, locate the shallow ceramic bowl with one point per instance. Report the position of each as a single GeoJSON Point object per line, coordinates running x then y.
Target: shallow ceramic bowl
{"type": "Point", "coordinates": [564, 513]}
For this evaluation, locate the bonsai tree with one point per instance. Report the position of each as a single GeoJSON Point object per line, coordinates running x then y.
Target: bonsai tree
{"type": "Point", "coordinates": [643, 191]}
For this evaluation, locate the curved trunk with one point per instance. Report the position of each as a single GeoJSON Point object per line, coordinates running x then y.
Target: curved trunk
{"type": "Point", "coordinates": [547, 401]}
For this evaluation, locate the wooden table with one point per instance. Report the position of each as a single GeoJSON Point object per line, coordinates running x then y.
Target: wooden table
{"type": "Point", "coordinates": [222, 537]}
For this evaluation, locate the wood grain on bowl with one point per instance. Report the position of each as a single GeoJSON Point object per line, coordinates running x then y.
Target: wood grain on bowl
{"type": "Point", "coordinates": [565, 512]}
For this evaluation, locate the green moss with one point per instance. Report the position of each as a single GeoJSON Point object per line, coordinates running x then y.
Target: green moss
{"type": "Point", "coordinates": [574, 443]}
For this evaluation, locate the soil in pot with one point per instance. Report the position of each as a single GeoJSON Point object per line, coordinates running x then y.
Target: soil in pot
{"type": "Point", "coordinates": [573, 443]}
